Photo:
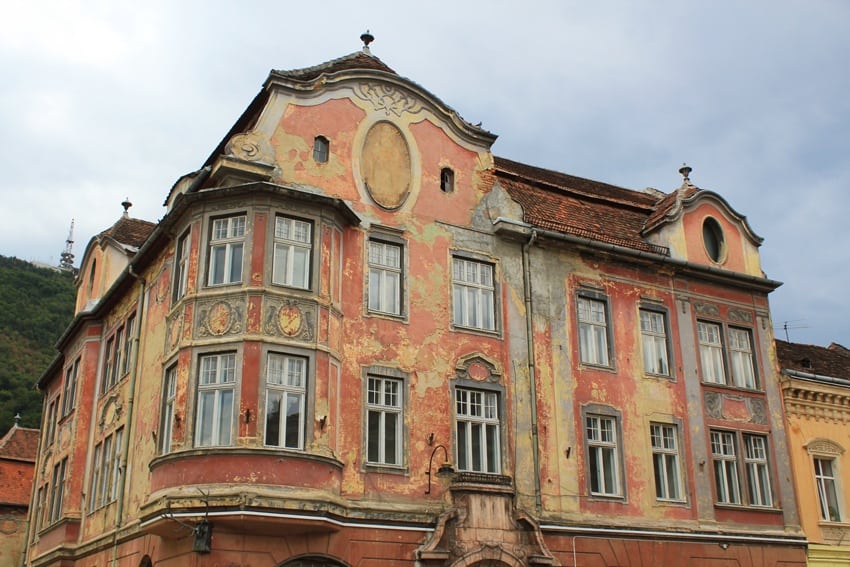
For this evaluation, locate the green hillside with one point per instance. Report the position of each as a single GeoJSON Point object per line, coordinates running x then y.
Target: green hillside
{"type": "Point", "coordinates": [36, 304]}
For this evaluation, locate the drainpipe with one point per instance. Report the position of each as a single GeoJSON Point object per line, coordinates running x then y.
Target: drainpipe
{"type": "Point", "coordinates": [532, 371]}
{"type": "Point", "coordinates": [134, 372]}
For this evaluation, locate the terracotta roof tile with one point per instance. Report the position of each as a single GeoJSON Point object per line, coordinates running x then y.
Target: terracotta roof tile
{"type": "Point", "coordinates": [579, 207]}
{"type": "Point", "coordinates": [812, 359]}
{"type": "Point", "coordinates": [356, 60]}
{"type": "Point", "coordinates": [666, 204]}
{"type": "Point", "coordinates": [20, 443]}
{"type": "Point", "coordinates": [130, 231]}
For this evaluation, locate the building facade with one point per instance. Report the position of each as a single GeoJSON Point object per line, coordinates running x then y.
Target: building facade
{"type": "Point", "coordinates": [358, 338]}
{"type": "Point", "coordinates": [815, 385]}
{"type": "Point", "coordinates": [18, 450]}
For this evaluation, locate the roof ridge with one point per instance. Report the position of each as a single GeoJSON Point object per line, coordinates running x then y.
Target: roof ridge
{"type": "Point", "coordinates": [317, 69]}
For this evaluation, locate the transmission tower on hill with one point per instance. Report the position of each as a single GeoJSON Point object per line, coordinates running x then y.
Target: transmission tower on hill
{"type": "Point", "coordinates": [66, 259]}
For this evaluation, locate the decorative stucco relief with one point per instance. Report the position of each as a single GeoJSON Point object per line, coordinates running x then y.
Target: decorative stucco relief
{"type": "Point", "coordinates": [709, 309]}
{"type": "Point", "coordinates": [731, 407]}
{"type": "Point", "coordinates": [816, 405]}
{"type": "Point", "coordinates": [289, 318]}
{"type": "Point", "coordinates": [740, 316]}
{"type": "Point", "coordinates": [387, 98]}
{"type": "Point", "coordinates": [250, 146]}
{"type": "Point", "coordinates": [219, 317]}
{"type": "Point", "coordinates": [173, 330]}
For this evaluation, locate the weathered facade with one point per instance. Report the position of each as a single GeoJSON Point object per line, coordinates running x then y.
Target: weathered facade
{"type": "Point", "coordinates": [816, 389]}
{"type": "Point", "coordinates": [18, 449]}
{"type": "Point", "coordinates": [358, 338]}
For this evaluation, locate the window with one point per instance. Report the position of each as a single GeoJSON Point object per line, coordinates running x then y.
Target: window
{"type": "Point", "coordinates": [181, 267]}
{"type": "Point", "coordinates": [286, 389]}
{"type": "Point", "coordinates": [69, 394]}
{"type": "Point", "coordinates": [129, 336]}
{"type": "Point", "coordinates": [603, 459]}
{"type": "Point", "coordinates": [226, 243]}
{"type": "Point", "coordinates": [825, 474]}
{"type": "Point", "coordinates": [758, 477]}
{"type": "Point", "coordinates": [712, 237]}
{"type": "Point", "coordinates": [40, 507]}
{"type": "Point", "coordinates": [169, 392]}
{"type": "Point", "coordinates": [654, 342]}
{"type": "Point", "coordinates": [108, 361]}
{"type": "Point", "coordinates": [50, 420]}
{"type": "Point", "coordinates": [725, 456]}
{"type": "Point", "coordinates": [742, 366]}
{"type": "Point", "coordinates": [385, 277]}
{"type": "Point", "coordinates": [384, 419]}
{"type": "Point", "coordinates": [106, 470]}
{"type": "Point", "coordinates": [473, 294]}
{"type": "Point", "coordinates": [292, 245]}
{"type": "Point", "coordinates": [711, 353]}
{"type": "Point", "coordinates": [216, 389]}
{"type": "Point", "coordinates": [57, 491]}
{"type": "Point", "coordinates": [593, 331]}
{"type": "Point", "coordinates": [447, 180]}
{"type": "Point", "coordinates": [665, 461]}
{"type": "Point", "coordinates": [477, 415]}
{"type": "Point", "coordinates": [321, 149]}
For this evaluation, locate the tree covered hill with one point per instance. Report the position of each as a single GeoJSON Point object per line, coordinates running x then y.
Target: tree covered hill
{"type": "Point", "coordinates": [36, 304]}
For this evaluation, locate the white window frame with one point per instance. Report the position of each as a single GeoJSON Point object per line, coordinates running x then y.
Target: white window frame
{"type": "Point", "coordinates": [50, 420]}
{"type": "Point", "coordinates": [741, 361]}
{"type": "Point", "coordinates": [828, 490]}
{"type": "Point", "coordinates": [756, 465]}
{"type": "Point", "coordinates": [594, 330]}
{"type": "Point", "coordinates": [664, 440]}
{"type": "Point", "coordinates": [129, 336]}
{"type": "Point", "coordinates": [293, 241]}
{"type": "Point", "coordinates": [603, 455]}
{"type": "Point", "coordinates": [57, 491]}
{"type": "Point", "coordinates": [181, 266]}
{"type": "Point", "coordinates": [654, 342]}
{"type": "Point", "coordinates": [169, 397]}
{"type": "Point", "coordinates": [384, 419]}
{"type": "Point", "coordinates": [477, 421]}
{"type": "Point", "coordinates": [724, 457]}
{"type": "Point", "coordinates": [711, 352]}
{"type": "Point", "coordinates": [386, 276]}
{"type": "Point", "coordinates": [473, 294]}
{"type": "Point", "coordinates": [216, 390]}
{"type": "Point", "coordinates": [69, 391]}
{"type": "Point", "coordinates": [227, 235]}
{"type": "Point", "coordinates": [286, 385]}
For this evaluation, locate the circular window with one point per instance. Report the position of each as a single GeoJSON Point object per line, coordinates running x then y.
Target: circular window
{"type": "Point", "coordinates": [712, 237]}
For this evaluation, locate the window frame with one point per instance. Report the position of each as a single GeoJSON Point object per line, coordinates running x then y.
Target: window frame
{"type": "Point", "coordinates": [615, 447]}
{"type": "Point", "coordinates": [381, 269]}
{"type": "Point", "coordinates": [228, 242]}
{"type": "Point", "coordinates": [182, 251]}
{"type": "Point", "coordinates": [106, 469]}
{"type": "Point", "coordinates": [667, 454]}
{"type": "Point", "coordinates": [303, 392]}
{"type": "Point", "coordinates": [218, 388]}
{"type": "Point", "coordinates": [381, 409]}
{"type": "Point", "coordinates": [498, 395]}
{"type": "Point", "coordinates": [321, 149]}
{"type": "Point", "coordinates": [726, 355]}
{"type": "Point", "coordinates": [168, 408]}
{"type": "Point", "coordinates": [69, 387]}
{"type": "Point", "coordinates": [461, 288]}
{"type": "Point", "coordinates": [743, 465]}
{"type": "Point", "coordinates": [656, 338]}
{"type": "Point", "coordinates": [590, 296]}
{"type": "Point", "coordinates": [822, 482]}
{"type": "Point", "coordinates": [447, 180]}
{"type": "Point", "coordinates": [291, 245]}
{"type": "Point", "coordinates": [57, 491]}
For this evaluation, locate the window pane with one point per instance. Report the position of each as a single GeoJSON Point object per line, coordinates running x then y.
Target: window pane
{"type": "Point", "coordinates": [273, 402]}
{"type": "Point", "coordinates": [293, 420]}
{"type": "Point", "coordinates": [390, 431]}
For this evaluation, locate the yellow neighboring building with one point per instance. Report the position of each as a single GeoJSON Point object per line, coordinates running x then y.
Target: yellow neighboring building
{"type": "Point", "coordinates": [816, 391]}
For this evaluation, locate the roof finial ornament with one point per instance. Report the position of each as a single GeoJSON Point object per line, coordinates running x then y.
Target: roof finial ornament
{"type": "Point", "coordinates": [686, 170]}
{"type": "Point", "coordinates": [366, 38]}
{"type": "Point", "coordinates": [17, 419]}
{"type": "Point", "coordinates": [126, 204]}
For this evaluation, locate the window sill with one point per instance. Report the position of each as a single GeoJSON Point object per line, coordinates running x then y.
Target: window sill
{"type": "Point", "coordinates": [746, 508]}
{"type": "Point", "coordinates": [400, 318]}
{"type": "Point", "coordinates": [616, 498]}
{"type": "Point", "coordinates": [378, 468]}
{"type": "Point", "coordinates": [495, 333]}
{"type": "Point", "coordinates": [728, 387]}
{"type": "Point", "coordinates": [672, 503]}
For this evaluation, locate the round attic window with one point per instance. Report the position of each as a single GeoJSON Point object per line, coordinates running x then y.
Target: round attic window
{"type": "Point", "coordinates": [712, 237]}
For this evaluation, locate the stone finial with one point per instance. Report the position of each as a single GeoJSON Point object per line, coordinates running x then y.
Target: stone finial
{"type": "Point", "coordinates": [126, 204]}
{"type": "Point", "coordinates": [686, 170]}
{"type": "Point", "coordinates": [366, 38]}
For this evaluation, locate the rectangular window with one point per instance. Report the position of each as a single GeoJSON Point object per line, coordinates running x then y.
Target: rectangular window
{"type": "Point", "coordinates": [181, 267]}
{"type": "Point", "coordinates": [477, 416]}
{"type": "Point", "coordinates": [665, 461]}
{"type": "Point", "coordinates": [385, 277]}
{"type": "Point", "coordinates": [603, 460]}
{"type": "Point", "coordinates": [40, 507]}
{"type": "Point", "coordinates": [758, 475]}
{"type": "Point", "coordinates": [741, 358]}
{"type": "Point", "coordinates": [825, 474]}
{"type": "Point", "coordinates": [473, 294]}
{"type": "Point", "coordinates": [653, 337]}
{"type": "Point", "coordinates": [292, 246]}
{"type": "Point", "coordinates": [57, 491]}
{"type": "Point", "coordinates": [725, 459]}
{"type": "Point", "coordinates": [216, 391]}
{"type": "Point", "coordinates": [711, 353]}
{"type": "Point", "coordinates": [105, 382]}
{"type": "Point", "coordinates": [97, 465]}
{"type": "Point", "coordinates": [117, 362]}
{"type": "Point", "coordinates": [384, 419]}
{"type": "Point", "coordinates": [50, 418]}
{"type": "Point", "coordinates": [129, 336]}
{"type": "Point", "coordinates": [593, 331]}
{"type": "Point", "coordinates": [169, 392]}
{"type": "Point", "coordinates": [115, 466]}
{"type": "Point", "coordinates": [286, 390]}
{"type": "Point", "coordinates": [69, 393]}
{"type": "Point", "coordinates": [227, 240]}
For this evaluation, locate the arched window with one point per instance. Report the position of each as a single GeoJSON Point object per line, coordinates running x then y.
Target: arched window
{"type": "Point", "coordinates": [146, 561]}
{"type": "Point", "coordinates": [321, 149]}
{"type": "Point", "coordinates": [312, 561]}
{"type": "Point", "coordinates": [447, 180]}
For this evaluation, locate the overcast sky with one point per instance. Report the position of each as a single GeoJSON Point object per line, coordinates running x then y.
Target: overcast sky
{"type": "Point", "coordinates": [103, 100]}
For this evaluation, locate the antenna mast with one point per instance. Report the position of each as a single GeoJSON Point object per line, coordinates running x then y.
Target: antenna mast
{"type": "Point", "coordinates": [66, 261]}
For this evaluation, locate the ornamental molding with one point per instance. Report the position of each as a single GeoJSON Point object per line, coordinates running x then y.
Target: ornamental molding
{"type": "Point", "coordinates": [290, 318]}
{"type": "Point", "coordinates": [740, 316]}
{"type": "Point", "coordinates": [816, 405]}
{"type": "Point", "coordinates": [387, 98]}
{"type": "Point", "coordinates": [709, 309]}
{"type": "Point", "coordinates": [220, 317]}
{"type": "Point", "coordinates": [250, 146]}
{"type": "Point", "coordinates": [822, 446]}
{"type": "Point", "coordinates": [735, 407]}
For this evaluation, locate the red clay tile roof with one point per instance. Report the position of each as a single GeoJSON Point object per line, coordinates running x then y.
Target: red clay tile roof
{"type": "Point", "coordinates": [668, 203]}
{"type": "Point", "coordinates": [19, 443]}
{"type": "Point", "coordinates": [579, 207]}
{"type": "Point", "coordinates": [833, 361]}
{"type": "Point", "coordinates": [129, 231]}
{"type": "Point", "coordinates": [356, 60]}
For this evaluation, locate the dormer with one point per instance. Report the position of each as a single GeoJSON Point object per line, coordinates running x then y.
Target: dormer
{"type": "Point", "coordinates": [700, 227]}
